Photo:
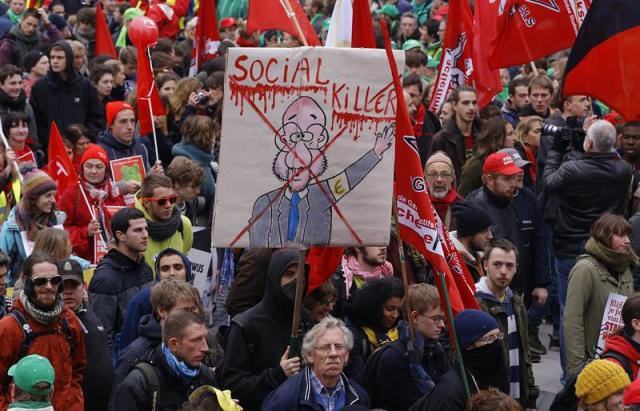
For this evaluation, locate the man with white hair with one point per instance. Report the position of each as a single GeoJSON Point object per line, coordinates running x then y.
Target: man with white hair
{"type": "Point", "coordinates": [597, 183]}
{"type": "Point", "coordinates": [321, 384]}
{"type": "Point", "coordinates": [441, 179]}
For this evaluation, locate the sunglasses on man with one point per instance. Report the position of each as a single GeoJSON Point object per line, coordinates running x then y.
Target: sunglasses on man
{"type": "Point", "coordinates": [41, 281]}
{"type": "Point", "coordinates": [162, 201]}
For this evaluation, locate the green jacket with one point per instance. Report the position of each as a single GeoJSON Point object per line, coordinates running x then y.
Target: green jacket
{"type": "Point", "coordinates": [181, 240]}
{"type": "Point", "coordinates": [529, 391]}
{"type": "Point", "coordinates": [590, 283]}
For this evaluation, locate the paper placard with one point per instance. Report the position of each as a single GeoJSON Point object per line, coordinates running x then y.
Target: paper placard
{"type": "Point", "coordinates": [611, 319]}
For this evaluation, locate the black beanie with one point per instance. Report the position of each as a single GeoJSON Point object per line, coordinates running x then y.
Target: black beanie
{"type": "Point", "coordinates": [31, 59]}
{"type": "Point", "coordinates": [470, 219]}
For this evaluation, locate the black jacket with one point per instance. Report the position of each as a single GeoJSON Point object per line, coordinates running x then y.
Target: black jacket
{"type": "Point", "coordinates": [134, 393]}
{"type": "Point", "coordinates": [585, 189]}
{"type": "Point", "coordinates": [448, 394]}
{"type": "Point", "coordinates": [257, 338]}
{"type": "Point", "coordinates": [97, 378]}
{"type": "Point", "coordinates": [116, 280]}
{"type": "Point", "coordinates": [519, 221]}
{"type": "Point", "coordinates": [66, 102]}
{"type": "Point", "coordinates": [452, 142]}
{"type": "Point", "coordinates": [150, 336]}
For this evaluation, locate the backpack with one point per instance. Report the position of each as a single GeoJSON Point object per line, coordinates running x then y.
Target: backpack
{"type": "Point", "coordinates": [29, 335]}
{"type": "Point", "coordinates": [151, 375]}
{"type": "Point", "coordinates": [369, 379]}
{"type": "Point", "coordinates": [622, 360]}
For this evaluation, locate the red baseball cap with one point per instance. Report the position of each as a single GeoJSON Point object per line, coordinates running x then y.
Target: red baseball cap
{"type": "Point", "coordinates": [227, 22]}
{"type": "Point", "coordinates": [501, 163]}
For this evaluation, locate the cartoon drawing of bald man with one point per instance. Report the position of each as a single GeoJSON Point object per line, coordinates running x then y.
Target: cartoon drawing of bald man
{"type": "Point", "coordinates": [301, 212]}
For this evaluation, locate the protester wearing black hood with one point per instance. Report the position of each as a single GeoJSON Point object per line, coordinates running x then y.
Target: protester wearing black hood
{"type": "Point", "coordinates": [484, 362]}
{"type": "Point", "coordinates": [256, 346]}
{"type": "Point", "coordinates": [64, 96]}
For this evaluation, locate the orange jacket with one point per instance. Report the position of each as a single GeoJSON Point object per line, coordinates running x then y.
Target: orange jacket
{"type": "Point", "coordinates": [67, 394]}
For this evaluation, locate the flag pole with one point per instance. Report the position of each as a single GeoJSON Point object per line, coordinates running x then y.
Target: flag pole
{"type": "Point", "coordinates": [295, 342]}
{"type": "Point", "coordinates": [93, 215]}
{"type": "Point", "coordinates": [292, 16]}
{"type": "Point", "coordinates": [153, 124]}
{"type": "Point", "coordinates": [533, 68]}
{"type": "Point", "coordinates": [403, 265]}
{"type": "Point", "coordinates": [452, 330]}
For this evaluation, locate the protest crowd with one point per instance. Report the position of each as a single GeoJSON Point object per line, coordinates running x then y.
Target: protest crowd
{"type": "Point", "coordinates": [112, 132]}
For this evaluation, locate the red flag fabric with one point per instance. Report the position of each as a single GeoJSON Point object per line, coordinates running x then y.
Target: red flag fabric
{"type": "Point", "coordinates": [60, 167]}
{"type": "Point", "coordinates": [529, 30]}
{"type": "Point", "coordinates": [417, 219]}
{"type": "Point", "coordinates": [602, 63]}
{"type": "Point", "coordinates": [486, 80]}
{"type": "Point", "coordinates": [207, 38]}
{"type": "Point", "coordinates": [362, 34]}
{"type": "Point", "coordinates": [323, 262]}
{"type": "Point", "coordinates": [272, 14]}
{"type": "Point", "coordinates": [456, 65]}
{"type": "Point", "coordinates": [104, 42]}
{"type": "Point", "coordinates": [148, 100]}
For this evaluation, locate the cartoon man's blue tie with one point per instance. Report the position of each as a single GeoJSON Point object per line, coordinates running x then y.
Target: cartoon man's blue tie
{"type": "Point", "coordinates": [294, 216]}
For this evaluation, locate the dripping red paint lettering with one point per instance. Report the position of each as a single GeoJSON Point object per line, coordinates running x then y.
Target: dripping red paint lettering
{"type": "Point", "coordinates": [279, 71]}
{"type": "Point", "coordinates": [360, 99]}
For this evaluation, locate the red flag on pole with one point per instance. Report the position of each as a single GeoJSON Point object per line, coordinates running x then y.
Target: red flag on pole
{"type": "Point", "coordinates": [60, 167]}
{"type": "Point", "coordinates": [456, 65]}
{"type": "Point", "coordinates": [529, 30]}
{"type": "Point", "coordinates": [273, 14]}
{"type": "Point", "coordinates": [486, 80]}
{"type": "Point", "coordinates": [323, 262]}
{"type": "Point", "coordinates": [104, 42]}
{"type": "Point", "coordinates": [417, 219]}
{"type": "Point", "coordinates": [148, 96]}
{"type": "Point", "coordinates": [362, 34]}
{"type": "Point", "coordinates": [207, 38]}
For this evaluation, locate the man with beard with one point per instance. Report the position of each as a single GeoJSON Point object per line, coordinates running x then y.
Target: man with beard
{"type": "Point", "coordinates": [440, 176]}
{"type": "Point", "coordinates": [498, 300]}
{"type": "Point", "coordinates": [321, 384]}
{"type": "Point", "coordinates": [472, 236]}
{"type": "Point", "coordinates": [301, 212]}
{"type": "Point", "coordinates": [484, 364]}
{"type": "Point", "coordinates": [256, 359]}
{"type": "Point", "coordinates": [40, 324]}
{"type": "Point", "coordinates": [630, 150]}
{"type": "Point", "coordinates": [13, 98]}
{"type": "Point", "coordinates": [121, 273]}
{"type": "Point", "coordinates": [359, 266]}
{"type": "Point", "coordinates": [167, 227]}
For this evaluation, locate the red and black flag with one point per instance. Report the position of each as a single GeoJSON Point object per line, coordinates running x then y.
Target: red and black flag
{"type": "Point", "coordinates": [604, 62]}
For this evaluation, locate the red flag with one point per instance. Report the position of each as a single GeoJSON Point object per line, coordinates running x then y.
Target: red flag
{"type": "Point", "coordinates": [207, 38]}
{"type": "Point", "coordinates": [486, 81]}
{"type": "Point", "coordinates": [148, 100]}
{"type": "Point", "coordinates": [60, 167]}
{"type": "Point", "coordinates": [529, 30]}
{"type": "Point", "coordinates": [272, 14]}
{"type": "Point", "coordinates": [418, 221]}
{"type": "Point", "coordinates": [602, 63]}
{"type": "Point", "coordinates": [104, 42]}
{"type": "Point", "coordinates": [362, 34]}
{"type": "Point", "coordinates": [456, 65]}
{"type": "Point", "coordinates": [323, 262]}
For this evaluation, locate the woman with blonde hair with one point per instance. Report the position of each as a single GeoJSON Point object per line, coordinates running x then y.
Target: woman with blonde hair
{"type": "Point", "coordinates": [528, 134]}
{"type": "Point", "coordinates": [56, 243]}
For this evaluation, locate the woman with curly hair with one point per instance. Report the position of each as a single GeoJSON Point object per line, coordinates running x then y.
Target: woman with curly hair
{"type": "Point", "coordinates": [496, 133]}
{"type": "Point", "coordinates": [372, 317]}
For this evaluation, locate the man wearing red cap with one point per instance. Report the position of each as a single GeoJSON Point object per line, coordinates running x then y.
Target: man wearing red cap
{"type": "Point", "coordinates": [119, 140]}
{"type": "Point", "coordinates": [516, 216]}
{"type": "Point", "coordinates": [228, 27]}
{"type": "Point", "coordinates": [95, 185]}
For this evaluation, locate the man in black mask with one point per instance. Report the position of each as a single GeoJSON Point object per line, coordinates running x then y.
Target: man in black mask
{"type": "Point", "coordinates": [256, 359]}
{"type": "Point", "coordinates": [484, 362]}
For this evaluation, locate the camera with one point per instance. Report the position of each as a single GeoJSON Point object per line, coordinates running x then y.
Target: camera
{"type": "Point", "coordinates": [573, 132]}
{"type": "Point", "coordinates": [202, 97]}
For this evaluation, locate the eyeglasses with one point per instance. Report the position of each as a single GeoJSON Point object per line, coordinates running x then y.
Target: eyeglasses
{"type": "Point", "coordinates": [491, 339]}
{"type": "Point", "coordinates": [328, 303]}
{"type": "Point", "coordinates": [325, 349]}
{"type": "Point", "coordinates": [41, 281]}
{"type": "Point", "coordinates": [441, 175]}
{"type": "Point", "coordinates": [436, 318]}
{"type": "Point", "coordinates": [162, 201]}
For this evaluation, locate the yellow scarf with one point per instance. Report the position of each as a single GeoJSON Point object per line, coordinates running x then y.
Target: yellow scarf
{"type": "Point", "coordinates": [391, 335]}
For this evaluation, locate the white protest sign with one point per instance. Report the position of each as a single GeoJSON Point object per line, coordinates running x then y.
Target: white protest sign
{"type": "Point", "coordinates": [611, 319]}
{"type": "Point", "coordinates": [307, 148]}
{"type": "Point", "coordinates": [201, 265]}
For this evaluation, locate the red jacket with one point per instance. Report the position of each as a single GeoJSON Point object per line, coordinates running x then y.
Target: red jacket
{"type": "Point", "coordinates": [67, 392]}
{"type": "Point", "coordinates": [167, 17]}
{"type": "Point", "coordinates": [623, 346]}
{"type": "Point", "coordinates": [78, 217]}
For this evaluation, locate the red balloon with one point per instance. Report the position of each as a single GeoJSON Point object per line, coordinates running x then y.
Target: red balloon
{"type": "Point", "coordinates": [142, 32]}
